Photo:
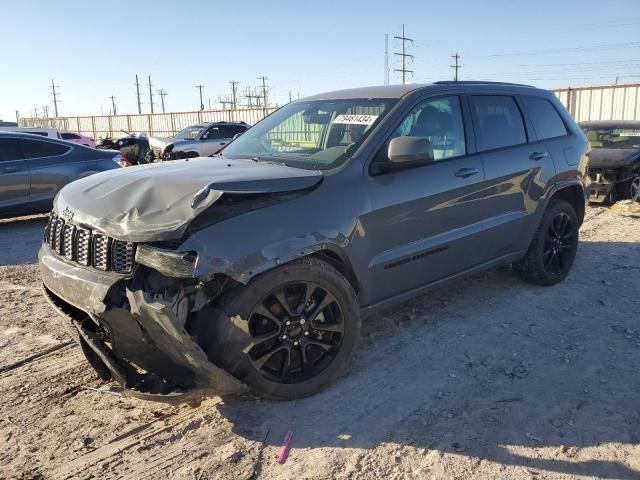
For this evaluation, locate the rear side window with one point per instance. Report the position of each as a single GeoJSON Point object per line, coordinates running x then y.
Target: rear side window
{"type": "Point", "coordinates": [229, 131]}
{"type": "Point", "coordinates": [498, 122]}
{"type": "Point", "coordinates": [70, 136]}
{"type": "Point", "coordinates": [546, 119]}
{"type": "Point", "coordinates": [35, 149]}
{"type": "Point", "coordinates": [8, 149]}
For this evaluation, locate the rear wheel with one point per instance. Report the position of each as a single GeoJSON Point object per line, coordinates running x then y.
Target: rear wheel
{"type": "Point", "coordinates": [288, 333]}
{"type": "Point", "coordinates": [554, 246]}
{"type": "Point", "coordinates": [634, 189]}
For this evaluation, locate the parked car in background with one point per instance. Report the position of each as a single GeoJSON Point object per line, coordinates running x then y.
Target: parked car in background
{"type": "Point", "coordinates": [134, 147]}
{"type": "Point", "coordinates": [614, 161]}
{"type": "Point", "coordinates": [253, 270]}
{"type": "Point", "coordinates": [201, 140]}
{"type": "Point", "coordinates": [43, 132]}
{"type": "Point", "coordinates": [33, 169]}
{"type": "Point", "coordinates": [79, 139]}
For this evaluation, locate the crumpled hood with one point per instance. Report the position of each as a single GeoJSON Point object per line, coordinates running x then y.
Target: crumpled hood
{"type": "Point", "coordinates": [154, 202]}
{"type": "Point", "coordinates": [159, 142]}
{"type": "Point", "coordinates": [612, 157]}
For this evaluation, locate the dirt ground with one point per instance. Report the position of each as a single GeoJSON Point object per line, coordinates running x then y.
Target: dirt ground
{"type": "Point", "coordinates": [490, 378]}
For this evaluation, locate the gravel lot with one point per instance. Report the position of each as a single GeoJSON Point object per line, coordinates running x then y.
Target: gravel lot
{"type": "Point", "coordinates": [491, 378]}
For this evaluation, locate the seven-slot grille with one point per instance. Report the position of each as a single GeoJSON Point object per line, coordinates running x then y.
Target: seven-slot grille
{"type": "Point", "coordinates": [90, 249]}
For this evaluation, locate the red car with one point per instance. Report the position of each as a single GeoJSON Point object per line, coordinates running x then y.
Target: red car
{"type": "Point", "coordinates": [77, 138]}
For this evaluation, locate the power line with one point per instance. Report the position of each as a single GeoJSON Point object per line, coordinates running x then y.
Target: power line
{"type": "Point", "coordinates": [456, 66]}
{"type": "Point", "coordinates": [138, 94]}
{"type": "Point", "coordinates": [113, 103]}
{"type": "Point", "coordinates": [162, 94]}
{"type": "Point", "coordinates": [200, 87]}
{"type": "Point", "coordinates": [403, 56]}
{"type": "Point", "coordinates": [150, 94]}
{"type": "Point", "coordinates": [55, 96]}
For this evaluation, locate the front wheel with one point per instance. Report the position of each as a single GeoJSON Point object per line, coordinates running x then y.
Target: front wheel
{"type": "Point", "coordinates": [553, 249]}
{"type": "Point", "coordinates": [289, 332]}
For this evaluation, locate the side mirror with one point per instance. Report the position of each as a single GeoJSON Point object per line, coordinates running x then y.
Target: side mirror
{"type": "Point", "coordinates": [410, 151]}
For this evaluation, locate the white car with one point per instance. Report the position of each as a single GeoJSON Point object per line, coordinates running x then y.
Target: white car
{"type": "Point", "coordinates": [43, 132]}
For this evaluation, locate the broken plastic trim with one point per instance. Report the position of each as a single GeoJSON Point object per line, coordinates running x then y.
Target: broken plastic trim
{"type": "Point", "coordinates": [167, 262]}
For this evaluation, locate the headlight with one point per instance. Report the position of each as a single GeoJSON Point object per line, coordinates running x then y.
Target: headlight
{"type": "Point", "coordinates": [167, 262]}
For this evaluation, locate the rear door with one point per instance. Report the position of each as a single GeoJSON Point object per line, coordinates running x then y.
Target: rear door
{"type": "Point", "coordinates": [516, 172]}
{"type": "Point", "coordinates": [14, 178]}
{"type": "Point", "coordinates": [212, 141]}
{"type": "Point", "coordinates": [51, 166]}
{"type": "Point", "coordinates": [424, 223]}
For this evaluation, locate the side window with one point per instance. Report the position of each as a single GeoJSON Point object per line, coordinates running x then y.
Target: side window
{"type": "Point", "coordinates": [213, 133]}
{"type": "Point", "coordinates": [34, 149]}
{"type": "Point", "coordinates": [8, 149]}
{"type": "Point", "coordinates": [439, 120]}
{"type": "Point", "coordinates": [70, 136]}
{"type": "Point", "coordinates": [229, 131]}
{"type": "Point", "coordinates": [497, 121]}
{"type": "Point", "coordinates": [545, 118]}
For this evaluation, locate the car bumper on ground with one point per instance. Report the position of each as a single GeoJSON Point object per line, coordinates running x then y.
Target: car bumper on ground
{"type": "Point", "coordinates": [599, 190]}
{"type": "Point", "coordinates": [138, 343]}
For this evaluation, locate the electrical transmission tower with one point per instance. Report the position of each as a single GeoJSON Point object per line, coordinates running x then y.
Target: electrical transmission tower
{"type": "Point", "coordinates": [224, 101]}
{"type": "Point", "coordinates": [162, 94]}
{"type": "Point", "coordinates": [55, 96]}
{"type": "Point", "coordinates": [138, 94]}
{"type": "Point", "coordinates": [264, 79]}
{"type": "Point", "coordinates": [456, 66]}
{"type": "Point", "coordinates": [150, 94]}
{"type": "Point", "coordinates": [113, 104]}
{"type": "Point", "coordinates": [234, 97]}
{"type": "Point", "coordinates": [404, 55]}
{"type": "Point", "coordinates": [200, 87]}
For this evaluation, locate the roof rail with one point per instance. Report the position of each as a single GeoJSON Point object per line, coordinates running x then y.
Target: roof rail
{"type": "Point", "coordinates": [480, 82]}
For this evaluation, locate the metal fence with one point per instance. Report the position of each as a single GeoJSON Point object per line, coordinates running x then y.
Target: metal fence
{"type": "Point", "coordinates": [157, 124]}
{"type": "Point", "coordinates": [610, 102]}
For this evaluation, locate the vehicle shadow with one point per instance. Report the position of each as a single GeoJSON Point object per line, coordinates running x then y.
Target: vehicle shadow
{"type": "Point", "coordinates": [20, 239]}
{"type": "Point", "coordinates": [491, 369]}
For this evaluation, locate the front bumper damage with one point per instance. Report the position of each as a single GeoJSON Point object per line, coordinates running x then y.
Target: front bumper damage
{"type": "Point", "coordinates": [138, 341]}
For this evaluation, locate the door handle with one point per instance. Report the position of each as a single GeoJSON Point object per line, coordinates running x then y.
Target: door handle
{"type": "Point", "coordinates": [466, 172]}
{"type": "Point", "coordinates": [10, 169]}
{"type": "Point", "coordinates": [538, 156]}
{"type": "Point", "coordinates": [223, 144]}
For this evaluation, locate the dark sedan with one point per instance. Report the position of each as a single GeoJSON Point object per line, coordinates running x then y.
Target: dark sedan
{"type": "Point", "coordinates": [614, 161]}
{"type": "Point", "coordinates": [33, 169]}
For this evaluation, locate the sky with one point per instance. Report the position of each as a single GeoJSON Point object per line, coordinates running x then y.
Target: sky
{"type": "Point", "coordinates": [94, 50]}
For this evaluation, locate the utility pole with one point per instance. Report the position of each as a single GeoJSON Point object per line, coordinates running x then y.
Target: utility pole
{"type": "Point", "coordinates": [403, 56]}
{"type": "Point", "coordinates": [35, 112]}
{"type": "Point", "coordinates": [18, 117]}
{"type": "Point", "coordinates": [264, 79]}
{"type": "Point", "coordinates": [113, 103]}
{"type": "Point", "coordinates": [234, 84]}
{"type": "Point", "coordinates": [162, 94]}
{"type": "Point", "coordinates": [138, 93]}
{"type": "Point", "coordinates": [386, 59]}
{"type": "Point", "coordinates": [200, 87]}
{"type": "Point", "coordinates": [150, 94]}
{"type": "Point", "coordinates": [45, 109]}
{"type": "Point", "coordinates": [456, 66]}
{"type": "Point", "coordinates": [55, 96]}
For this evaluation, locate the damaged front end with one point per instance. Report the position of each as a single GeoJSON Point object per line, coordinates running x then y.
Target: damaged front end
{"type": "Point", "coordinates": [135, 328]}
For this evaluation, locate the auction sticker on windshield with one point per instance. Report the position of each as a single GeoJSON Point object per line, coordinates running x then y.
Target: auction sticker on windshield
{"type": "Point", "coordinates": [630, 133]}
{"type": "Point", "coordinates": [356, 119]}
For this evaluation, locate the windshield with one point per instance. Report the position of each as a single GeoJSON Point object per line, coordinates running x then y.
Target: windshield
{"type": "Point", "coordinates": [189, 133]}
{"type": "Point", "coordinates": [315, 135]}
{"type": "Point", "coordinates": [613, 137]}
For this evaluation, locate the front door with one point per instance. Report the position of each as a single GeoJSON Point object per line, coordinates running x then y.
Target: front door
{"type": "Point", "coordinates": [425, 223]}
{"type": "Point", "coordinates": [14, 178]}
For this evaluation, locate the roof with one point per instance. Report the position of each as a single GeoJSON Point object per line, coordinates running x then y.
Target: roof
{"type": "Point", "coordinates": [399, 91]}
{"type": "Point", "coordinates": [610, 124]}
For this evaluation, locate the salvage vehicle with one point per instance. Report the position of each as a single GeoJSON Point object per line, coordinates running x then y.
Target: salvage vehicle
{"type": "Point", "coordinates": [74, 137]}
{"type": "Point", "coordinates": [202, 140]}
{"type": "Point", "coordinates": [34, 168]}
{"type": "Point", "coordinates": [134, 147]}
{"type": "Point", "coordinates": [614, 162]}
{"type": "Point", "coordinates": [254, 271]}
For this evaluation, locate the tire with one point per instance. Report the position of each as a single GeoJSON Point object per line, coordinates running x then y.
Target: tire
{"type": "Point", "coordinates": [634, 188]}
{"type": "Point", "coordinates": [253, 327]}
{"type": "Point", "coordinates": [561, 239]}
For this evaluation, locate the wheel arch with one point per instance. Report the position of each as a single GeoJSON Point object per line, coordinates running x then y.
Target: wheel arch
{"type": "Point", "coordinates": [573, 194]}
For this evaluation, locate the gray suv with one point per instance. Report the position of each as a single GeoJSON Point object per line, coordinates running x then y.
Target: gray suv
{"type": "Point", "coordinates": [253, 270]}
